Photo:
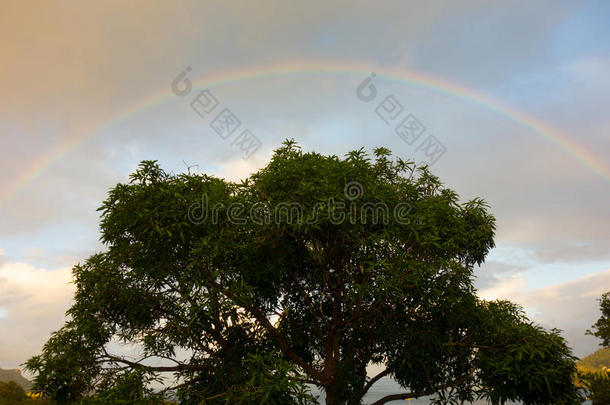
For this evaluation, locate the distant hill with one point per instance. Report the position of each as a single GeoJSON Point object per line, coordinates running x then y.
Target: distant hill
{"type": "Point", "coordinates": [15, 375]}
{"type": "Point", "coordinates": [595, 361]}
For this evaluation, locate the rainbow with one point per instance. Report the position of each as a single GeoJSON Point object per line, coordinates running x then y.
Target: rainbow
{"type": "Point", "coordinates": [410, 77]}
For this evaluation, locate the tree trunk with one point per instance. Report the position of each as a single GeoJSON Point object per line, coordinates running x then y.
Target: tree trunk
{"type": "Point", "coordinates": [331, 395]}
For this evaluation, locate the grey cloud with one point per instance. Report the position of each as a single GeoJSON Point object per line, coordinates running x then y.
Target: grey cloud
{"type": "Point", "coordinates": [492, 273]}
{"type": "Point", "coordinates": [491, 42]}
{"type": "Point", "coordinates": [563, 251]}
{"type": "Point", "coordinates": [72, 70]}
{"type": "Point", "coordinates": [34, 301]}
{"type": "Point", "coordinates": [572, 307]}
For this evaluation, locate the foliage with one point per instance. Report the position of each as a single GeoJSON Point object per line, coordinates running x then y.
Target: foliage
{"type": "Point", "coordinates": [271, 381]}
{"type": "Point", "coordinates": [129, 387]}
{"type": "Point", "coordinates": [313, 286]}
{"type": "Point", "coordinates": [11, 393]}
{"type": "Point", "coordinates": [601, 328]}
{"type": "Point", "coordinates": [597, 361]}
{"type": "Point", "coordinates": [69, 363]}
{"type": "Point", "coordinates": [594, 368]}
{"type": "Point", "coordinates": [15, 375]}
{"type": "Point", "coordinates": [598, 386]}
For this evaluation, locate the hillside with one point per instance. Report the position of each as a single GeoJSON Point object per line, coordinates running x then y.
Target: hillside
{"type": "Point", "coordinates": [15, 375]}
{"type": "Point", "coordinates": [596, 361]}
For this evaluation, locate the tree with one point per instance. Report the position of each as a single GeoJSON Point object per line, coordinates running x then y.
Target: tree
{"type": "Point", "coordinates": [309, 271]}
{"type": "Point", "coordinates": [601, 328]}
{"type": "Point", "coordinates": [11, 393]}
{"type": "Point", "coordinates": [597, 382]}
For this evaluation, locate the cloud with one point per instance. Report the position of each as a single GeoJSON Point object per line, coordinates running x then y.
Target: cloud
{"type": "Point", "coordinates": [570, 251]}
{"type": "Point", "coordinates": [589, 70]}
{"type": "Point", "coordinates": [492, 273]}
{"type": "Point", "coordinates": [503, 288]}
{"type": "Point", "coordinates": [71, 70]}
{"type": "Point", "coordinates": [571, 306]}
{"type": "Point", "coordinates": [33, 302]}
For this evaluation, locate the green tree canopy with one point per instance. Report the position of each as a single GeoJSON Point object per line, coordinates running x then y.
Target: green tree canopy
{"type": "Point", "coordinates": [601, 328]}
{"type": "Point", "coordinates": [597, 361]}
{"type": "Point", "coordinates": [594, 368]}
{"type": "Point", "coordinates": [308, 271]}
{"type": "Point", "coordinates": [11, 393]}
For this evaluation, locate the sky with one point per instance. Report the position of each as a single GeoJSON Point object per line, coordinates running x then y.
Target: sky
{"type": "Point", "coordinates": [513, 95]}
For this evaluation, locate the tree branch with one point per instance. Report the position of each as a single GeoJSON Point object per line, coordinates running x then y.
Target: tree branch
{"type": "Point", "coordinates": [367, 387]}
{"type": "Point", "coordinates": [265, 323]}
{"type": "Point", "coordinates": [137, 365]}
{"type": "Point", "coordinates": [459, 344]}
{"type": "Point", "coordinates": [407, 395]}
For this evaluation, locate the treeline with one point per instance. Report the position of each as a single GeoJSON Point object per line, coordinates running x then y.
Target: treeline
{"type": "Point", "coordinates": [593, 372]}
{"type": "Point", "coordinates": [12, 393]}
{"type": "Point", "coordinates": [598, 361]}
{"type": "Point", "coordinates": [15, 375]}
